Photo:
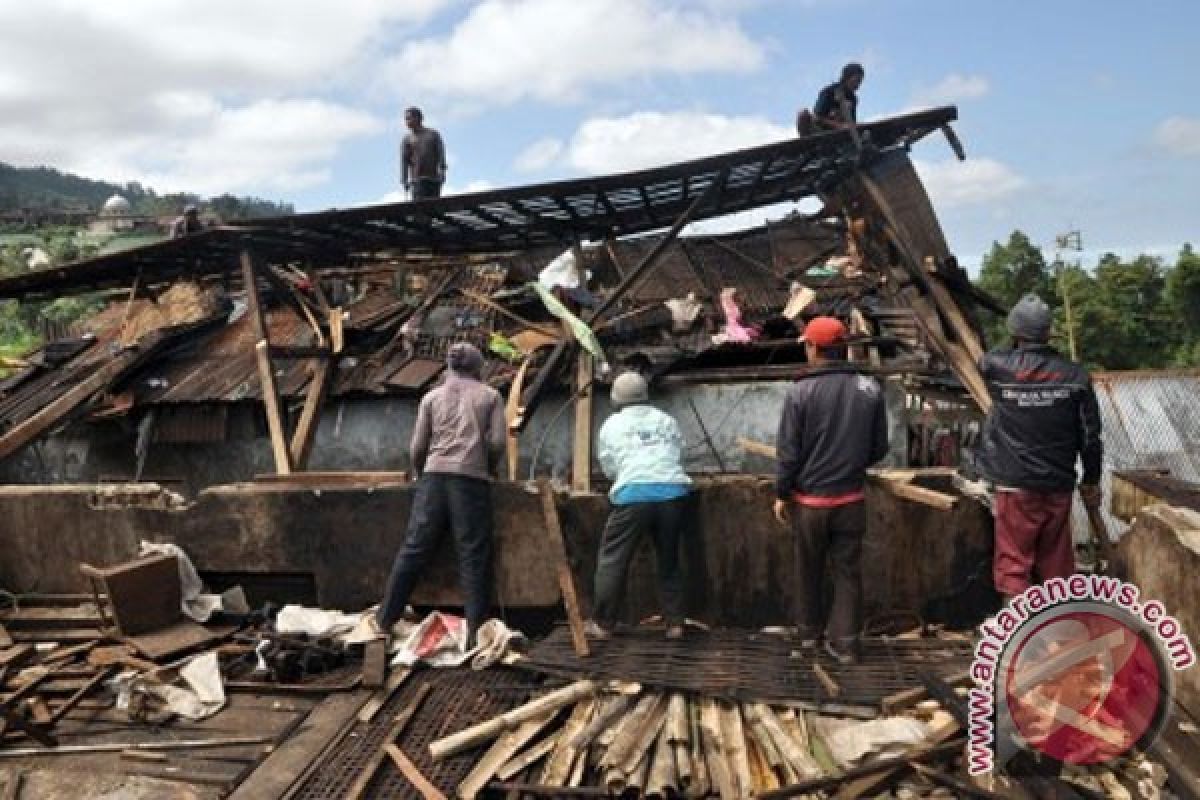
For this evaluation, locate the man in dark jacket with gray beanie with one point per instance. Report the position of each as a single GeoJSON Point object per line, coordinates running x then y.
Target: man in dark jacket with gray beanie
{"type": "Point", "coordinates": [1044, 416]}
{"type": "Point", "coordinates": [457, 445]}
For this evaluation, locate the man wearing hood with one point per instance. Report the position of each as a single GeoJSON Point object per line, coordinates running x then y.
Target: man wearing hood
{"type": "Point", "coordinates": [457, 446]}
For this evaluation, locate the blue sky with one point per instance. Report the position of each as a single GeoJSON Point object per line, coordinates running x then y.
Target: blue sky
{"type": "Point", "coordinates": [1074, 114]}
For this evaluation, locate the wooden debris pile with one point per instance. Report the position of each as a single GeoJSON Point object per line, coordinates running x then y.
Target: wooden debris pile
{"type": "Point", "coordinates": [591, 739]}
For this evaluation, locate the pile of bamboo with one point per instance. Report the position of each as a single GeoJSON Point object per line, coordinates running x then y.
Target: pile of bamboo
{"type": "Point", "coordinates": [620, 739]}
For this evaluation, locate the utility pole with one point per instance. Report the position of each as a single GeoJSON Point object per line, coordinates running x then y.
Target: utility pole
{"type": "Point", "coordinates": [1071, 240]}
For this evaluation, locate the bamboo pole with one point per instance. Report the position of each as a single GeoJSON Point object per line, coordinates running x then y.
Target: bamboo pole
{"type": "Point", "coordinates": [722, 778]}
{"type": "Point", "coordinates": [528, 758]}
{"type": "Point", "coordinates": [478, 734]}
{"type": "Point", "coordinates": [611, 708]}
{"type": "Point", "coordinates": [644, 743]}
{"type": "Point", "coordinates": [624, 745]}
{"type": "Point", "coordinates": [796, 757]}
{"type": "Point", "coordinates": [662, 780]}
{"type": "Point", "coordinates": [699, 784]}
{"type": "Point", "coordinates": [557, 771]}
{"type": "Point", "coordinates": [501, 752]}
{"type": "Point", "coordinates": [733, 741]}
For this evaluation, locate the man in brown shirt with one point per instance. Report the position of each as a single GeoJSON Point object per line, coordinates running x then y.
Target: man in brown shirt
{"type": "Point", "coordinates": [422, 158]}
{"type": "Point", "coordinates": [457, 445]}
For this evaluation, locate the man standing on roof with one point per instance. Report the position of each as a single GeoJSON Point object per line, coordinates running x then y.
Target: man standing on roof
{"type": "Point", "coordinates": [422, 158]}
{"type": "Point", "coordinates": [640, 449]}
{"type": "Point", "coordinates": [457, 446]}
{"type": "Point", "coordinates": [834, 426]}
{"type": "Point", "coordinates": [188, 222]}
{"type": "Point", "coordinates": [1044, 416]}
{"type": "Point", "coordinates": [837, 104]}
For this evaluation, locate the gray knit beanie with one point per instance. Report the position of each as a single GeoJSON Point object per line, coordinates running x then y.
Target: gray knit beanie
{"type": "Point", "coordinates": [465, 358]}
{"type": "Point", "coordinates": [629, 388]}
{"type": "Point", "coordinates": [1030, 319]}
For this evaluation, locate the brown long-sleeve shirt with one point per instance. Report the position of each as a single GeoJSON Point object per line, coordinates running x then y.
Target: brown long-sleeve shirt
{"type": "Point", "coordinates": [460, 429]}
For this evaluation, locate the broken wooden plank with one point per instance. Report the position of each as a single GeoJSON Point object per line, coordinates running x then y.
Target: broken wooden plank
{"type": "Point", "coordinates": [758, 448]}
{"type": "Point", "coordinates": [907, 490]}
{"type": "Point", "coordinates": [827, 682]}
{"type": "Point", "coordinates": [276, 426]}
{"type": "Point", "coordinates": [484, 731]}
{"type": "Point", "coordinates": [298, 756]}
{"type": "Point", "coordinates": [413, 775]}
{"type": "Point", "coordinates": [503, 749]}
{"type": "Point", "coordinates": [72, 701]}
{"type": "Point", "coordinates": [310, 415]}
{"type": "Point", "coordinates": [375, 663]}
{"type": "Point", "coordinates": [358, 789]}
{"type": "Point", "coordinates": [382, 695]}
{"type": "Point", "coordinates": [566, 579]}
{"type": "Point", "coordinates": [335, 480]}
{"type": "Point", "coordinates": [68, 402]}
{"type": "Point", "coordinates": [581, 442]}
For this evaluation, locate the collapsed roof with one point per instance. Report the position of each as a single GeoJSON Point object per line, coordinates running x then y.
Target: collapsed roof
{"type": "Point", "coordinates": [367, 301]}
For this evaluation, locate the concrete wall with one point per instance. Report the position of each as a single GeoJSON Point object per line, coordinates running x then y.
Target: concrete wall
{"type": "Point", "coordinates": [1160, 554]}
{"type": "Point", "coordinates": [341, 541]}
{"type": "Point", "coordinates": [373, 434]}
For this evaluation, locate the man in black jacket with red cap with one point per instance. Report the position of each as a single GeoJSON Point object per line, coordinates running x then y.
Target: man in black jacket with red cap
{"type": "Point", "coordinates": [1044, 416]}
{"type": "Point", "coordinates": [833, 426]}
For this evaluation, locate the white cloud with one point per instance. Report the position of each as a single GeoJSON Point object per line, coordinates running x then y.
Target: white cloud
{"type": "Point", "coordinates": [954, 88]}
{"type": "Point", "coordinates": [539, 155]}
{"type": "Point", "coordinates": [1179, 136]}
{"type": "Point", "coordinates": [954, 183]}
{"type": "Point", "coordinates": [470, 187]}
{"type": "Point", "coordinates": [226, 96]}
{"type": "Point", "coordinates": [504, 51]}
{"type": "Point", "coordinates": [649, 138]}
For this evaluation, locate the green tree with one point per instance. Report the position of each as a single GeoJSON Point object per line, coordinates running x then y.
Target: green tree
{"type": "Point", "coordinates": [1010, 271]}
{"type": "Point", "coordinates": [1183, 300]}
{"type": "Point", "coordinates": [1124, 320]}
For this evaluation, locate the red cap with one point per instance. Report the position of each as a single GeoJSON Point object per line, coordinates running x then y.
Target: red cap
{"type": "Point", "coordinates": [824, 332]}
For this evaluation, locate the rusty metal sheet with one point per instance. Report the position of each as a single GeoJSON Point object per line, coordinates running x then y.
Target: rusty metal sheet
{"type": "Point", "coordinates": [749, 666]}
{"type": "Point", "coordinates": [416, 374]}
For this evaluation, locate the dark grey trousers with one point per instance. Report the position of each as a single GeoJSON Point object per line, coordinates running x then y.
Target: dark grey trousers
{"type": "Point", "coordinates": [664, 522]}
{"type": "Point", "coordinates": [833, 534]}
{"type": "Point", "coordinates": [426, 189]}
{"type": "Point", "coordinates": [465, 506]}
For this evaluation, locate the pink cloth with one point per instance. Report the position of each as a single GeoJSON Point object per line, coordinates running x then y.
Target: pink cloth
{"type": "Point", "coordinates": [734, 330]}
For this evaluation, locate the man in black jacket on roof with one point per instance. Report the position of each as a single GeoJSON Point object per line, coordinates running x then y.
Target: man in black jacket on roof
{"type": "Point", "coordinates": [1044, 416]}
{"type": "Point", "coordinates": [833, 426]}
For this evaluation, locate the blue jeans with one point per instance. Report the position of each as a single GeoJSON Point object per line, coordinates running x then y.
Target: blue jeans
{"type": "Point", "coordinates": [465, 506]}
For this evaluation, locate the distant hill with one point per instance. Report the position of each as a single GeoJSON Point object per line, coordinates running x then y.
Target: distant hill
{"type": "Point", "coordinates": [48, 188]}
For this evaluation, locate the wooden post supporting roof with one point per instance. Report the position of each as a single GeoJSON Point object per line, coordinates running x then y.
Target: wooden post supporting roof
{"type": "Point", "coordinates": [581, 451]}
{"type": "Point", "coordinates": [276, 425]}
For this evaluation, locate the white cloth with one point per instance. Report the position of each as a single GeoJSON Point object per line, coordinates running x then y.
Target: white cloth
{"type": "Point", "coordinates": [440, 640]}
{"type": "Point", "coordinates": [201, 694]}
{"type": "Point", "coordinates": [315, 622]}
{"type": "Point", "coordinates": [562, 271]}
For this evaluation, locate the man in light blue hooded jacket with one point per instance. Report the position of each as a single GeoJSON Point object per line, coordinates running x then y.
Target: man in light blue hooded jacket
{"type": "Point", "coordinates": [640, 449]}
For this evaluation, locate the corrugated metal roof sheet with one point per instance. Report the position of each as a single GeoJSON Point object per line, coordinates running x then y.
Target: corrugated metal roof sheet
{"type": "Point", "coordinates": [1151, 419]}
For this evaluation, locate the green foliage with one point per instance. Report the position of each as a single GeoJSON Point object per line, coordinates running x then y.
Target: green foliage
{"type": "Point", "coordinates": [1009, 272]}
{"type": "Point", "coordinates": [46, 188]}
{"type": "Point", "coordinates": [1125, 314]}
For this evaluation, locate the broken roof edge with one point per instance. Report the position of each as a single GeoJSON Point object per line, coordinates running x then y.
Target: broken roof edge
{"type": "Point", "coordinates": [932, 119]}
{"type": "Point", "coordinates": [510, 219]}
